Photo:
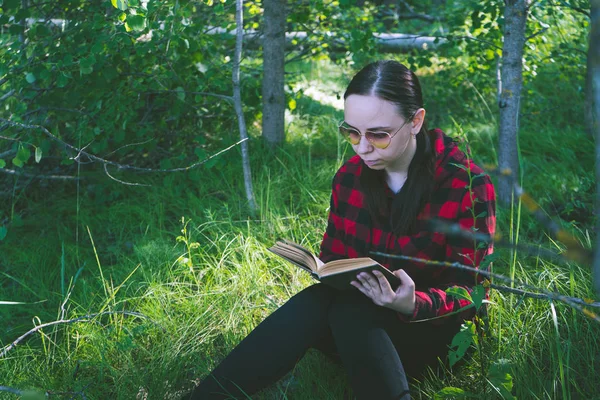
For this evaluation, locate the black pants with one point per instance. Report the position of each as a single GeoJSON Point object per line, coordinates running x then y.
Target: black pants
{"type": "Point", "coordinates": [370, 341]}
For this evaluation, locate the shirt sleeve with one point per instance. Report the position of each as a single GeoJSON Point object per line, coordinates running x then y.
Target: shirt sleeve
{"type": "Point", "coordinates": [332, 246]}
{"type": "Point", "coordinates": [476, 212]}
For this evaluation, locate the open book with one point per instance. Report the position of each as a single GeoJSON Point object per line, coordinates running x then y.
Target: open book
{"type": "Point", "coordinates": [337, 273]}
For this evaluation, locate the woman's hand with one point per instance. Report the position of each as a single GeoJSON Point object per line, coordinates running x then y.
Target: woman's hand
{"type": "Point", "coordinates": [378, 289]}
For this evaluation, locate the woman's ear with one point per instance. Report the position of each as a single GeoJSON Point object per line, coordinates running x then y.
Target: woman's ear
{"type": "Point", "coordinates": [417, 121]}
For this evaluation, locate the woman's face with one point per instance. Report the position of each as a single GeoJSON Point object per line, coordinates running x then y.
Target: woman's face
{"type": "Point", "coordinates": [370, 113]}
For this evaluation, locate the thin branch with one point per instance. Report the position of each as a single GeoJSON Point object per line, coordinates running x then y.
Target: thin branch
{"type": "Point", "coordinates": [12, 390]}
{"type": "Point", "coordinates": [37, 176]}
{"type": "Point", "coordinates": [543, 30]}
{"type": "Point", "coordinates": [415, 15]}
{"type": "Point", "coordinates": [576, 254]}
{"type": "Point", "coordinates": [221, 96]}
{"type": "Point", "coordinates": [81, 152]}
{"type": "Point", "coordinates": [128, 145]}
{"type": "Point", "coordinates": [570, 301]}
{"type": "Point", "coordinates": [578, 9]}
{"type": "Point", "coordinates": [66, 321]}
{"type": "Point", "coordinates": [7, 153]}
{"type": "Point", "coordinates": [7, 95]}
{"type": "Point", "coordinates": [120, 181]}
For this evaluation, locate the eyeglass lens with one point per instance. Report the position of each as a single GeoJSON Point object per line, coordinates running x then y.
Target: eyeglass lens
{"type": "Point", "coordinates": [378, 139]}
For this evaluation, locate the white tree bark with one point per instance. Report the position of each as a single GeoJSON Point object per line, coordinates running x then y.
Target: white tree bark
{"type": "Point", "coordinates": [594, 57]}
{"type": "Point", "coordinates": [273, 94]}
{"type": "Point", "coordinates": [515, 19]}
{"type": "Point", "coordinates": [237, 102]}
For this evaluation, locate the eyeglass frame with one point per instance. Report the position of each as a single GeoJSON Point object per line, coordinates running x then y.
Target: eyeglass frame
{"type": "Point", "coordinates": [390, 135]}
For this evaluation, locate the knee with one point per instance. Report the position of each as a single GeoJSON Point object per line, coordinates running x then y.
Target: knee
{"type": "Point", "coordinates": [350, 306]}
{"type": "Point", "coordinates": [317, 295]}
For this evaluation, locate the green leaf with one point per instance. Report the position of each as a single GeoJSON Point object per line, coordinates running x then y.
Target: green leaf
{"type": "Point", "coordinates": [120, 4]}
{"type": "Point", "coordinates": [500, 378]}
{"type": "Point", "coordinates": [122, 17]}
{"type": "Point", "coordinates": [487, 260]}
{"type": "Point", "coordinates": [30, 77]}
{"type": "Point", "coordinates": [10, 4]}
{"type": "Point", "coordinates": [2, 163]}
{"type": "Point", "coordinates": [17, 162]}
{"type": "Point", "coordinates": [180, 93]}
{"type": "Point", "coordinates": [23, 154]}
{"type": "Point", "coordinates": [86, 65]}
{"type": "Point", "coordinates": [62, 80]}
{"type": "Point", "coordinates": [463, 167]}
{"type": "Point", "coordinates": [478, 295]}
{"type": "Point", "coordinates": [461, 342]}
{"type": "Point", "coordinates": [136, 22]}
{"type": "Point", "coordinates": [461, 292]}
{"type": "Point", "coordinates": [38, 154]}
{"type": "Point", "coordinates": [3, 232]}
{"type": "Point", "coordinates": [450, 392]}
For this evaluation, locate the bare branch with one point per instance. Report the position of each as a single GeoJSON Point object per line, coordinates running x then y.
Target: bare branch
{"type": "Point", "coordinates": [541, 31]}
{"type": "Point", "coordinates": [67, 321]}
{"type": "Point", "coordinates": [12, 390]}
{"type": "Point", "coordinates": [572, 302]}
{"type": "Point", "coordinates": [7, 95]}
{"type": "Point", "coordinates": [81, 152]}
{"type": "Point", "coordinates": [415, 15]}
{"type": "Point", "coordinates": [120, 181]}
{"type": "Point", "coordinates": [221, 96]}
{"type": "Point", "coordinates": [38, 176]}
{"type": "Point", "coordinates": [577, 253]}
{"type": "Point", "coordinates": [574, 8]}
{"type": "Point", "coordinates": [128, 145]}
{"type": "Point", "coordinates": [7, 153]}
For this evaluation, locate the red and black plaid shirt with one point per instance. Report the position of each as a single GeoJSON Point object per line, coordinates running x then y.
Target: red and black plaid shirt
{"type": "Point", "coordinates": [351, 232]}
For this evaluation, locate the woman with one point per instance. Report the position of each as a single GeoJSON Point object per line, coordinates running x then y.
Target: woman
{"type": "Point", "coordinates": [383, 199]}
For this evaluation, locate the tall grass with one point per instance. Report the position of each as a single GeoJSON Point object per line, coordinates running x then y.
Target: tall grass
{"type": "Point", "coordinates": [185, 254]}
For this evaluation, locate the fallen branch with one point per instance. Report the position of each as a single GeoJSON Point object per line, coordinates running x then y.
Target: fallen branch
{"type": "Point", "coordinates": [37, 176]}
{"type": "Point", "coordinates": [93, 157]}
{"type": "Point", "coordinates": [66, 321]}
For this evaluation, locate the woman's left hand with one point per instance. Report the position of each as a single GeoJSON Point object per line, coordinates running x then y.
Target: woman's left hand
{"type": "Point", "coordinates": [377, 288]}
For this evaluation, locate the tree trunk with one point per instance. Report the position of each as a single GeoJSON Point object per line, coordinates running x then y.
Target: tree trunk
{"type": "Point", "coordinates": [273, 94]}
{"type": "Point", "coordinates": [594, 64]}
{"type": "Point", "coordinates": [237, 101]}
{"type": "Point", "coordinates": [589, 112]}
{"type": "Point", "coordinates": [515, 18]}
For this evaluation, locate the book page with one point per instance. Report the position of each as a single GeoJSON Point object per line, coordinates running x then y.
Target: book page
{"type": "Point", "coordinates": [296, 254]}
{"type": "Point", "coordinates": [348, 264]}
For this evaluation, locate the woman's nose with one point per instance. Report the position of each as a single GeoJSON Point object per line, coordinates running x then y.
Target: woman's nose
{"type": "Point", "coordinates": [364, 146]}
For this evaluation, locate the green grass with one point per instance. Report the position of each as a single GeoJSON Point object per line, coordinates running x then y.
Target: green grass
{"type": "Point", "coordinates": [186, 254]}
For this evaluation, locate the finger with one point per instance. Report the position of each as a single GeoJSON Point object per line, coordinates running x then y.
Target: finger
{"type": "Point", "coordinates": [384, 285]}
{"type": "Point", "coordinates": [361, 288]}
{"type": "Point", "coordinates": [371, 279]}
{"type": "Point", "coordinates": [365, 280]}
{"type": "Point", "coordinates": [404, 277]}
{"type": "Point", "coordinates": [407, 284]}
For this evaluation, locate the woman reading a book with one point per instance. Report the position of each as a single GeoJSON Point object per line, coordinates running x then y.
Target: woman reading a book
{"type": "Point", "coordinates": [387, 198]}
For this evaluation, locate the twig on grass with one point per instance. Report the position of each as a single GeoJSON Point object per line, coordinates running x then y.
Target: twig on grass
{"type": "Point", "coordinates": [66, 321]}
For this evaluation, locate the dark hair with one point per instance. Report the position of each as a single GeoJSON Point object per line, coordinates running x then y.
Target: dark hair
{"type": "Point", "coordinates": [393, 82]}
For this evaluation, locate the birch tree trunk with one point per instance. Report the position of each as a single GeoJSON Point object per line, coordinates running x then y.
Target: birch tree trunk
{"type": "Point", "coordinates": [515, 19]}
{"type": "Point", "coordinates": [594, 64]}
{"type": "Point", "coordinates": [237, 102]}
{"type": "Point", "coordinates": [273, 120]}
